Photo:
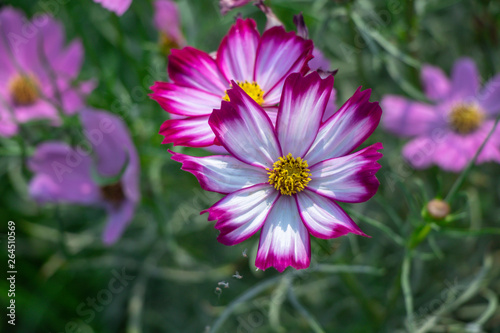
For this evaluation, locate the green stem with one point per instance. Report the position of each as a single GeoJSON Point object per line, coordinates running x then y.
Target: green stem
{"type": "Point", "coordinates": [316, 327]}
{"type": "Point", "coordinates": [406, 286]}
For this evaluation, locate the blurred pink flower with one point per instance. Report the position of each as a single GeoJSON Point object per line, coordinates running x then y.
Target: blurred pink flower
{"type": "Point", "coordinates": [258, 64]}
{"type": "Point", "coordinates": [65, 174]}
{"type": "Point", "coordinates": [227, 5]}
{"type": "Point", "coordinates": [285, 180]}
{"type": "Point", "coordinates": [117, 6]}
{"type": "Point", "coordinates": [37, 71]}
{"type": "Point", "coordinates": [166, 20]}
{"type": "Point", "coordinates": [448, 132]}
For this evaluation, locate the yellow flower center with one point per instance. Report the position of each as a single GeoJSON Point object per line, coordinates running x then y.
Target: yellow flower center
{"type": "Point", "coordinates": [289, 175]}
{"type": "Point", "coordinates": [167, 44]}
{"type": "Point", "coordinates": [24, 90]}
{"type": "Point", "coordinates": [252, 89]}
{"type": "Point", "coordinates": [466, 118]}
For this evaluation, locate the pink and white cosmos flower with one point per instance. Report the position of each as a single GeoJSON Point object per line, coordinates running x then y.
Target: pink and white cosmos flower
{"type": "Point", "coordinates": [258, 64]}
{"type": "Point", "coordinates": [285, 180]}
{"type": "Point", "coordinates": [449, 131]}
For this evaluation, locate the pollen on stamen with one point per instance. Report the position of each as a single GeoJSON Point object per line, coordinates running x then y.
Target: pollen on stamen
{"type": "Point", "coordinates": [466, 118]}
{"type": "Point", "coordinates": [24, 90]}
{"type": "Point", "coordinates": [252, 89]}
{"type": "Point", "coordinates": [289, 175]}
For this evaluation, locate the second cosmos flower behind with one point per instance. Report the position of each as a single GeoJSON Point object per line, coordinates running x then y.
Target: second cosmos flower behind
{"type": "Point", "coordinates": [286, 179]}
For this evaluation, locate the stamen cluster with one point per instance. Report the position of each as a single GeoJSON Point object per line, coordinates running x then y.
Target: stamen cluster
{"type": "Point", "coordinates": [465, 118]}
{"type": "Point", "coordinates": [252, 89]}
{"type": "Point", "coordinates": [289, 175]}
{"type": "Point", "coordinates": [24, 90]}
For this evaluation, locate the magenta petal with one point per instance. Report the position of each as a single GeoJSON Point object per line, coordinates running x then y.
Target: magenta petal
{"type": "Point", "coordinates": [237, 51]}
{"type": "Point", "coordinates": [184, 101]}
{"type": "Point", "coordinates": [464, 80]}
{"type": "Point", "coordinates": [245, 130]}
{"type": "Point", "coordinates": [61, 175]}
{"type": "Point", "coordinates": [489, 98]}
{"type": "Point", "coordinates": [195, 69]}
{"type": "Point", "coordinates": [346, 129]}
{"type": "Point", "coordinates": [118, 219]}
{"type": "Point", "coordinates": [323, 217]}
{"type": "Point", "coordinates": [284, 239]}
{"type": "Point", "coordinates": [222, 173]}
{"type": "Point", "coordinates": [349, 178]}
{"type": "Point", "coordinates": [191, 131]}
{"type": "Point", "coordinates": [408, 118]}
{"type": "Point", "coordinates": [436, 84]}
{"type": "Point", "coordinates": [117, 6]}
{"type": "Point", "coordinates": [69, 61]}
{"type": "Point", "coordinates": [279, 54]}
{"type": "Point", "coordinates": [301, 109]}
{"type": "Point", "coordinates": [319, 61]}
{"type": "Point", "coordinates": [241, 214]}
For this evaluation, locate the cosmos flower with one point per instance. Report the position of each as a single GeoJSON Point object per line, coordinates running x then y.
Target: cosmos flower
{"type": "Point", "coordinates": [37, 71]}
{"type": "Point", "coordinates": [449, 131]}
{"type": "Point", "coordinates": [117, 6]}
{"type": "Point", "coordinates": [166, 20]}
{"type": "Point", "coordinates": [285, 180]}
{"type": "Point", "coordinates": [65, 174]}
{"type": "Point", "coordinates": [257, 64]}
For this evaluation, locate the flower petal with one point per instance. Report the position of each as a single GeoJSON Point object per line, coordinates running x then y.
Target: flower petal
{"type": "Point", "coordinates": [184, 101]}
{"type": "Point", "coordinates": [193, 68]}
{"type": "Point", "coordinates": [419, 152]}
{"type": "Point", "coordinates": [323, 217]}
{"type": "Point", "coordinates": [490, 96]}
{"type": "Point", "coordinates": [464, 80]}
{"type": "Point", "coordinates": [61, 175]}
{"type": "Point", "coordinates": [284, 240]}
{"type": "Point", "coordinates": [409, 118]}
{"type": "Point", "coordinates": [279, 54]}
{"type": "Point", "coordinates": [118, 219]}
{"type": "Point", "coordinates": [117, 6]}
{"type": "Point", "coordinates": [236, 53]}
{"type": "Point", "coordinates": [113, 147]}
{"type": "Point", "coordinates": [191, 132]}
{"type": "Point", "coordinates": [221, 173]}
{"type": "Point", "coordinates": [166, 20]}
{"type": "Point", "coordinates": [245, 130]}
{"type": "Point", "coordinates": [301, 109]}
{"type": "Point", "coordinates": [8, 126]}
{"type": "Point", "coordinates": [349, 178]}
{"type": "Point", "coordinates": [436, 84]}
{"type": "Point", "coordinates": [241, 214]}
{"type": "Point", "coordinates": [346, 129]}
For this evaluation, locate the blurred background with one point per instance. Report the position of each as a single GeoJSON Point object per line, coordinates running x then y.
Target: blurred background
{"type": "Point", "coordinates": [168, 273]}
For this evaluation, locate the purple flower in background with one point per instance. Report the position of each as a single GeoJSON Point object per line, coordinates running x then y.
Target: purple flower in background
{"type": "Point", "coordinates": [117, 6]}
{"type": "Point", "coordinates": [37, 71]}
{"type": "Point", "coordinates": [65, 174]}
{"type": "Point", "coordinates": [448, 132]}
{"type": "Point", "coordinates": [166, 20]}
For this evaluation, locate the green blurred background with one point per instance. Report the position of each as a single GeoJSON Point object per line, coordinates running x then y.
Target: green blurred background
{"type": "Point", "coordinates": [169, 259]}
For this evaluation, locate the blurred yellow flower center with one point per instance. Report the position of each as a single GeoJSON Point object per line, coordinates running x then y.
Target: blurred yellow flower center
{"type": "Point", "coordinates": [167, 44]}
{"type": "Point", "coordinates": [24, 90]}
{"type": "Point", "coordinates": [289, 175]}
{"type": "Point", "coordinates": [252, 89]}
{"type": "Point", "coordinates": [466, 118]}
